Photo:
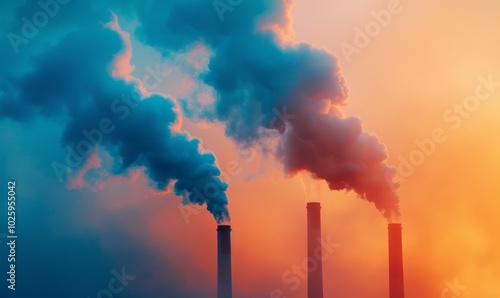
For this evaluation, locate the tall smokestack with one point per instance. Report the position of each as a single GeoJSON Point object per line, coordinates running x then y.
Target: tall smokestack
{"type": "Point", "coordinates": [396, 281]}
{"type": "Point", "coordinates": [314, 273]}
{"type": "Point", "coordinates": [224, 283]}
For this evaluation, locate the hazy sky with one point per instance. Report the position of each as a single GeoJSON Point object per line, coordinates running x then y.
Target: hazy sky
{"type": "Point", "coordinates": [424, 76]}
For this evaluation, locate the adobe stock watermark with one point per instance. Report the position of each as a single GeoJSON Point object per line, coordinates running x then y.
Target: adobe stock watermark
{"type": "Point", "coordinates": [48, 10]}
{"type": "Point", "coordinates": [232, 169]}
{"type": "Point", "coordinates": [213, 188]}
{"type": "Point", "coordinates": [297, 274]}
{"type": "Point", "coordinates": [363, 36]}
{"type": "Point", "coordinates": [452, 290]}
{"type": "Point", "coordinates": [120, 107]}
{"type": "Point", "coordinates": [281, 119]}
{"type": "Point", "coordinates": [221, 7]}
{"type": "Point", "coordinates": [116, 284]}
{"type": "Point", "coordinates": [454, 117]}
{"type": "Point", "coordinates": [77, 155]}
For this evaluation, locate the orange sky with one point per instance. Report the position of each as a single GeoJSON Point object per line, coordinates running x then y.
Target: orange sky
{"type": "Point", "coordinates": [428, 58]}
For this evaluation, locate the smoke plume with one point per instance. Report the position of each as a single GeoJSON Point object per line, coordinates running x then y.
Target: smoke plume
{"type": "Point", "coordinates": [71, 82]}
{"type": "Point", "coordinates": [266, 88]}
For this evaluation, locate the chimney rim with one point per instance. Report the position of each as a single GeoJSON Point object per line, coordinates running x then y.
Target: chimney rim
{"type": "Point", "coordinates": [223, 227]}
{"type": "Point", "coordinates": [394, 225]}
{"type": "Point", "coordinates": [313, 204]}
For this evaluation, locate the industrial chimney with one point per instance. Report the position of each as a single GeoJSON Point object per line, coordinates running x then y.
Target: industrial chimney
{"type": "Point", "coordinates": [315, 274]}
{"type": "Point", "coordinates": [396, 282]}
{"type": "Point", "coordinates": [224, 283]}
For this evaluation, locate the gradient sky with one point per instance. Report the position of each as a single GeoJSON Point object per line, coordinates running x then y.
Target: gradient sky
{"type": "Point", "coordinates": [405, 85]}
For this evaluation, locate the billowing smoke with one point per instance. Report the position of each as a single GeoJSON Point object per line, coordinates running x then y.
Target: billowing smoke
{"type": "Point", "coordinates": [267, 89]}
{"type": "Point", "coordinates": [71, 82]}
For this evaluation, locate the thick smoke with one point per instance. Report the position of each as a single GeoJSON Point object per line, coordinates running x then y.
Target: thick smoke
{"type": "Point", "coordinates": [264, 88]}
{"type": "Point", "coordinates": [71, 82]}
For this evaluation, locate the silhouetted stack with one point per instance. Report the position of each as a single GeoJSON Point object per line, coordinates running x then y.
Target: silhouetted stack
{"type": "Point", "coordinates": [314, 254]}
{"type": "Point", "coordinates": [224, 283]}
{"type": "Point", "coordinates": [396, 280]}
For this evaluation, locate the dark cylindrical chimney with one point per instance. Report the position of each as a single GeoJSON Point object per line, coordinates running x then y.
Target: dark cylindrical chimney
{"type": "Point", "coordinates": [314, 254]}
{"type": "Point", "coordinates": [396, 281]}
{"type": "Point", "coordinates": [224, 283]}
